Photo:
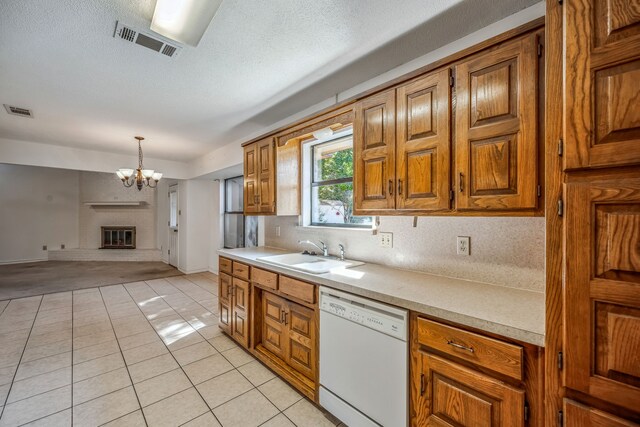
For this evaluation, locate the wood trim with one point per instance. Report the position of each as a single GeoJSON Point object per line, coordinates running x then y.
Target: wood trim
{"type": "Point", "coordinates": [333, 119]}
{"type": "Point", "coordinates": [553, 110]}
{"type": "Point", "coordinates": [448, 60]}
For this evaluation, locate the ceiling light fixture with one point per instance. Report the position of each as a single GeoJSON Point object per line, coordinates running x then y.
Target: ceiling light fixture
{"type": "Point", "coordinates": [184, 21]}
{"type": "Point", "coordinates": [143, 177]}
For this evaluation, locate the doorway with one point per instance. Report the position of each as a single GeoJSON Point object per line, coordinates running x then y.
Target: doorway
{"type": "Point", "coordinates": [173, 225]}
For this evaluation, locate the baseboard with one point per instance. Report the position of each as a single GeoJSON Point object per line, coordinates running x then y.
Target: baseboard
{"type": "Point", "coordinates": [197, 270]}
{"type": "Point", "coordinates": [23, 261]}
{"type": "Point", "coordinates": [214, 271]}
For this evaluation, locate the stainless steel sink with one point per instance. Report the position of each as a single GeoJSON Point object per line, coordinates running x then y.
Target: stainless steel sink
{"type": "Point", "coordinates": [310, 263]}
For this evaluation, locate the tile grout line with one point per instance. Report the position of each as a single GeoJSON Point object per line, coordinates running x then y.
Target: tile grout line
{"type": "Point", "coordinates": [169, 350]}
{"type": "Point", "coordinates": [122, 354]}
{"type": "Point", "coordinates": [4, 406]}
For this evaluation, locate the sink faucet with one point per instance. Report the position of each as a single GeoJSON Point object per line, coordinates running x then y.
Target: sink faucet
{"type": "Point", "coordinates": [341, 246]}
{"type": "Point", "coordinates": [323, 248]}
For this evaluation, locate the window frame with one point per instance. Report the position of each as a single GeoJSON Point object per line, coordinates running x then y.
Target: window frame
{"type": "Point", "coordinates": [311, 164]}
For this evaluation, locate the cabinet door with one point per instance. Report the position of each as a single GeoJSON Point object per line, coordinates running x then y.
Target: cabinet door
{"type": "Point", "coordinates": [496, 128]}
{"type": "Point", "coordinates": [266, 176]}
{"type": "Point", "coordinates": [240, 311]}
{"type": "Point", "coordinates": [578, 415]}
{"type": "Point", "coordinates": [602, 284]}
{"type": "Point", "coordinates": [274, 331]}
{"type": "Point", "coordinates": [251, 190]}
{"type": "Point", "coordinates": [602, 89]}
{"type": "Point", "coordinates": [459, 396]}
{"type": "Point", "coordinates": [374, 153]}
{"type": "Point", "coordinates": [302, 339]}
{"type": "Point", "coordinates": [422, 144]}
{"type": "Point", "coordinates": [224, 301]}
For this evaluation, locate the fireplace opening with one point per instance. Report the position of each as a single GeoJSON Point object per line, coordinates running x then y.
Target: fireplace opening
{"type": "Point", "coordinates": [118, 237]}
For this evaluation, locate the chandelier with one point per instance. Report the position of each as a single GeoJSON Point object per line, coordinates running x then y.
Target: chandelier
{"type": "Point", "coordinates": [143, 177]}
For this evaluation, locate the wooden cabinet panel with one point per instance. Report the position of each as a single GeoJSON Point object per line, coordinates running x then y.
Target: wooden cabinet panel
{"type": "Point", "coordinates": [251, 191]}
{"type": "Point", "coordinates": [264, 278]}
{"type": "Point", "coordinates": [496, 128]}
{"type": "Point", "coordinates": [241, 270]}
{"type": "Point", "coordinates": [298, 289]}
{"type": "Point", "coordinates": [374, 152]}
{"type": "Point", "coordinates": [240, 311]}
{"type": "Point", "coordinates": [578, 415]}
{"type": "Point", "coordinates": [602, 320]}
{"type": "Point", "coordinates": [486, 352]}
{"type": "Point", "coordinates": [302, 339]}
{"type": "Point", "coordinates": [602, 53]}
{"type": "Point", "coordinates": [423, 152]}
{"type": "Point", "coordinates": [274, 333]}
{"type": "Point", "coordinates": [266, 176]}
{"type": "Point", "coordinates": [224, 302]}
{"type": "Point", "coordinates": [225, 265]}
{"type": "Point", "coordinates": [455, 395]}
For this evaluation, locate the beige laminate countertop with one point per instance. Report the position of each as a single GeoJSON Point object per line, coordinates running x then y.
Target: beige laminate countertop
{"type": "Point", "coordinates": [510, 312]}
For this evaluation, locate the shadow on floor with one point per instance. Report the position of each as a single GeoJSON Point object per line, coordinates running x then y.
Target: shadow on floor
{"type": "Point", "coordinates": [36, 278]}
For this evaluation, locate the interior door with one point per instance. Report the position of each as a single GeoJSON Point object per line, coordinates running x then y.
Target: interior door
{"type": "Point", "coordinates": [173, 225]}
{"type": "Point", "coordinates": [423, 152]}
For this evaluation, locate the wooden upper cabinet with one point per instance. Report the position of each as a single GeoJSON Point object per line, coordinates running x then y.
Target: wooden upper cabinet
{"type": "Point", "coordinates": [496, 164]}
{"type": "Point", "coordinates": [259, 177]}
{"type": "Point", "coordinates": [455, 395]}
{"type": "Point", "coordinates": [423, 152]}
{"type": "Point", "coordinates": [602, 83]}
{"type": "Point", "coordinates": [250, 179]}
{"type": "Point", "coordinates": [602, 289]}
{"type": "Point", "coordinates": [374, 151]}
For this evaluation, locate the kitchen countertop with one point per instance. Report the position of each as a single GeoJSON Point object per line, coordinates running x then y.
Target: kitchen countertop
{"type": "Point", "coordinates": [510, 312]}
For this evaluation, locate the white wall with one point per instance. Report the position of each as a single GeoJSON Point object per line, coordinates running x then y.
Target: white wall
{"type": "Point", "coordinates": [106, 187]}
{"type": "Point", "coordinates": [38, 206]}
{"type": "Point", "coordinates": [504, 251]}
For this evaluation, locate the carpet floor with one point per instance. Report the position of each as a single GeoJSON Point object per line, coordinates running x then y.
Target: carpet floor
{"type": "Point", "coordinates": [38, 278]}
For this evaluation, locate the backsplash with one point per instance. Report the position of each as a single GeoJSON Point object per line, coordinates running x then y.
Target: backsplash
{"type": "Point", "coordinates": [506, 251]}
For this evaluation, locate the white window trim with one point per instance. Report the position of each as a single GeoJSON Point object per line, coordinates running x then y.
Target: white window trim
{"type": "Point", "coordinates": [305, 219]}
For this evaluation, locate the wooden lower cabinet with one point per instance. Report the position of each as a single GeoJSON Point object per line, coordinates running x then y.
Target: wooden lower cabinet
{"type": "Point", "coordinates": [455, 395]}
{"type": "Point", "coordinates": [233, 307]}
{"type": "Point", "coordinates": [462, 378]}
{"type": "Point", "coordinates": [274, 331]}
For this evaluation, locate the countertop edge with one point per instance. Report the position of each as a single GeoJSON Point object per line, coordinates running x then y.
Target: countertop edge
{"type": "Point", "coordinates": [507, 331]}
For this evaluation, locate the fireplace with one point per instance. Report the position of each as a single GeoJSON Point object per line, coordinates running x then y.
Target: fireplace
{"type": "Point", "coordinates": [118, 237]}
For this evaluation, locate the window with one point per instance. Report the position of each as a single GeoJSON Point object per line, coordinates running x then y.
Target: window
{"type": "Point", "coordinates": [331, 171]}
{"type": "Point", "coordinates": [239, 231]}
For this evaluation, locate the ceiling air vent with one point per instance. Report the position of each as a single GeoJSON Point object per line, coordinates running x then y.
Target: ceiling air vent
{"type": "Point", "coordinates": [148, 39]}
{"type": "Point", "coordinates": [17, 111]}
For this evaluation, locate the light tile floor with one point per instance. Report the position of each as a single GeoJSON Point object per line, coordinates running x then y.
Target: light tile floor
{"type": "Point", "coordinates": [142, 353]}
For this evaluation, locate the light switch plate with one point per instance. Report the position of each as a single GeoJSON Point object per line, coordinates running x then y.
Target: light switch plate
{"type": "Point", "coordinates": [278, 231]}
{"type": "Point", "coordinates": [462, 245]}
{"type": "Point", "coordinates": [386, 240]}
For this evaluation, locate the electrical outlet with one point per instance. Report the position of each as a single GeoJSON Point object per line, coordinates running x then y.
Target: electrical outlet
{"type": "Point", "coordinates": [278, 231]}
{"type": "Point", "coordinates": [386, 240]}
{"type": "Point", "coordinates": [44, 247]}
{"type": "Point", "coordinates": [62, 246]}
{"type": "Point", "coordinates": [462, 247]}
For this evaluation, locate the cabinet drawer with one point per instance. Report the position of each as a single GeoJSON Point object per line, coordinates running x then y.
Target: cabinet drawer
{"type": "Point", "coordinates": [241, 270]}
{"type": "Point", "coordinates": [264, 278]}
{"type": "Point", "coordinates": [483, 351]}
{"type": "Point", "coordinates": [296, 288]}
{"type": "Point", "coordinates": [225, 265]}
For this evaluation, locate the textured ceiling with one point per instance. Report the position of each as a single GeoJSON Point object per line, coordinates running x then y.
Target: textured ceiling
{"type": "Point", "coordinates": [259, 62]}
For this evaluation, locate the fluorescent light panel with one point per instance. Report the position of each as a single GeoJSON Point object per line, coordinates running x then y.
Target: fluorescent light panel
{"type": "Point", "coordinates": [184, 20]}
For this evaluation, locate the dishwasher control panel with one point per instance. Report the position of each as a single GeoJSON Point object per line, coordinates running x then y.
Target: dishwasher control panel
{"type": "Point", "coordinates": [372, 314]}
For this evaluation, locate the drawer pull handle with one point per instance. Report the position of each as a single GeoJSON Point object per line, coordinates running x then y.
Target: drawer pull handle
{"type": "Point", "coordinates": [285, 317]}
{"type": "Point", "coordinates": [460, 346]}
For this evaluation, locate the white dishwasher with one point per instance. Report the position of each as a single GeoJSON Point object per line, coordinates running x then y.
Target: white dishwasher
{"type": "Point", "coordinates": [363, 360]}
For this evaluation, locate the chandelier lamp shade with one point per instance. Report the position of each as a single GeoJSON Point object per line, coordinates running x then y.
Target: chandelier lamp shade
{"type": "Point", "coordinates": [141, 177]}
